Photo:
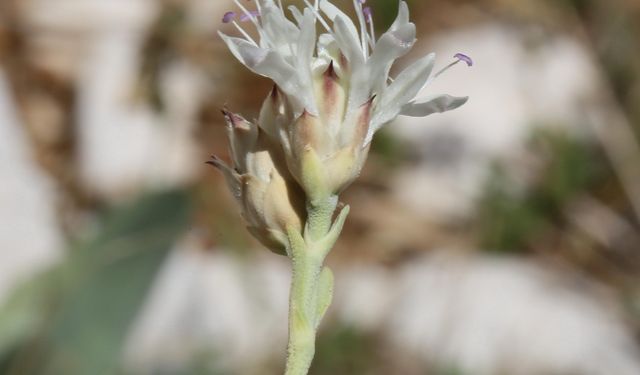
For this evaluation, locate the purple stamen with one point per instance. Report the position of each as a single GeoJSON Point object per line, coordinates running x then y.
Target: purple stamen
{"type": "Point", "coordinates": [463, 57]}
{"type": "Point", "coordinates": [228, 17]}
{"type": "Point", "coordinates": [367, 13]}
{"type": "Point", "coordinates": [247, 16]}
{"type": "Point", "coordinates": [362, 1]}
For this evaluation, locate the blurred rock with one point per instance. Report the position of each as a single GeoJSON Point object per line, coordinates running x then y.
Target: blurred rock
{"type": "Point", "coordinates": [482, 315]}
{"type": "Point", "coordinates": [214, 302]}
{"type": "Point", "coordinates": [63, 30]}
{"type": "Point", "coordinates": [521, 78]}
{"type": "Point", "coordinates": [495, 315]}
{"type": "Point", "coordinates": [124, 145]}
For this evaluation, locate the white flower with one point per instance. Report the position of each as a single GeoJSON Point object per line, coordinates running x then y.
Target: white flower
{"type": "Point", "coordinates": [333, 90]}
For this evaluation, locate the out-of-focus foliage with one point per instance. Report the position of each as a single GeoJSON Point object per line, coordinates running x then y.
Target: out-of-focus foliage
{"type": "Point", "coordinates": [73, 319]}
{"type": "Point", "coordinates": [615, 32]}
{"type": "Point", "coordinates": [344, 351]}
{"type": "Point", "coordinates": [388, 149]}
{"type": "Point", "coordinates": [513, 220]}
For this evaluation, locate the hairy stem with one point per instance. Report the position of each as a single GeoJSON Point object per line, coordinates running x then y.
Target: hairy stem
{"type": "Point", "coordinates": [302, 330]}
{"type": "Point", "coordinates": [311, 282]}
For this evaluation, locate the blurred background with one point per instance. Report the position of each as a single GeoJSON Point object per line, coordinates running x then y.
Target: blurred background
{"type": "Point", "coordinates": [502, 238]}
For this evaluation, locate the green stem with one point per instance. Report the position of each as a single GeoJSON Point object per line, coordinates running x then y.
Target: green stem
{"type": "Point", "coordinates": [302, 330]}
{"type": "Point", "coordinates": [311, 283]}
{"type": "Point", "coordinates": [319, 218]}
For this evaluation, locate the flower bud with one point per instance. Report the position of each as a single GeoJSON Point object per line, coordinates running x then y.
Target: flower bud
{"type": "Point", "coordinates": [270, 200]}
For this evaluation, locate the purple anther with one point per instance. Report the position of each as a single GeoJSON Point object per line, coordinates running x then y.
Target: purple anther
{"type": "Point", "coordinates": [362, 1]}
{"type": "Point", "coordinates": [463, 57]}
{"type": "Point", "coordinates": [228, 17]}
{"type": "Point", "coordinates": [367, 13]}
{"type": "Point", "coordinates": [247, 16]}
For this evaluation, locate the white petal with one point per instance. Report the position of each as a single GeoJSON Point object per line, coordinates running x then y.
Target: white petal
{"type": "Point", "coordinates": [333, 12]}
{"type": "Point", "coordinates": [296, 14]}
{"type": "Point", "coordinates": [304, 56]}
{"type": "Point", "coordinates": [400, 92]}
{"type": "Point", "coordinates": [360, 88]}
{"type": "Point", "coordinates": [391, 46]}
{"type": "Point", "coordinates": [433, 104]}
{"type": "Point", "coordinates": [402, 18]}
{"type": "Point", "coordinates": [265, 62]}
{"type": "Point", "coordinates": [278, 32]}
{"type": "Point", "coordinates": [306, 41]}
{"type": "Point", "coordinates": [348, 42]}
{"type": "Point", "coordinates": [328, 50]}
{"type": "Point", "coordinates": [360, 84]}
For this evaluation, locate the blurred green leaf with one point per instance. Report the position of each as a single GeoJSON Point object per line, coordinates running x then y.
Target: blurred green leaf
{"type": "Point", "coordinates": [510, 221]}
{"type": "Point", "coordinates": [74, 318]}
{"type": "Point", "coordinates": [389, 148]}
{"type": "Point", "coordinates": [344, 350]}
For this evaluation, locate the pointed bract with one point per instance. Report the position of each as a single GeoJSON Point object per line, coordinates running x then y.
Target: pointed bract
{"type": "Point", "coordinates": [269, 198]}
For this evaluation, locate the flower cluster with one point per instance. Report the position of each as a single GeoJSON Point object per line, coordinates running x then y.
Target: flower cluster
{"type": "Point", "coordinates": [332, 93]}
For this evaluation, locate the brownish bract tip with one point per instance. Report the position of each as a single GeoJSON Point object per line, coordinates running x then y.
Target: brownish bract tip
{"type": "Point", "coordinates": [369, 102]}
{"type": "Point", "coordinates": [364, 119]}
{"type": "Point", "coordinates": [214, 161]}
{"type": "Point", "coordinates": [234, 120]}
{"type": "Point", "coordinates": [275, 92]}
{"type": "Point", "coordinates": [331, 72]}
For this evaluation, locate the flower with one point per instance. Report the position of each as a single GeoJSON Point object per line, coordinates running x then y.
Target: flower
{"type": "Point", "coordinates": [270, 201]}
{"type": "Point", "coordinates": [333, 91]}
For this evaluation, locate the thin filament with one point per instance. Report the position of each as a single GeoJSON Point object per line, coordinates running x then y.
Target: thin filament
{"type": "Point", "coordinates": [253, 19]}
{"type": "Point", "coordinates": [445, 69]}
{"type": "Point", "coordinates": [363, 28]}
{"type": "Point", "coordinates": [318, 16]}
{"type": "Point", "coordinates": [372, 33]}
{"type": "Point", "coordinates": [433, 77]}
{"type": "Point", "coordinates": [244, 33]}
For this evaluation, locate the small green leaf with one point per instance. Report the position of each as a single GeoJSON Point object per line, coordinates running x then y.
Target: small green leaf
{"type": "Point", "coordinates": [330, 239]}
{"type": "Point", "coordinates": [324, 294]}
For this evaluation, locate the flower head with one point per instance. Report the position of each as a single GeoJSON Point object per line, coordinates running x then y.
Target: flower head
{"type": "Point", "coordinates": [333, 91]}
